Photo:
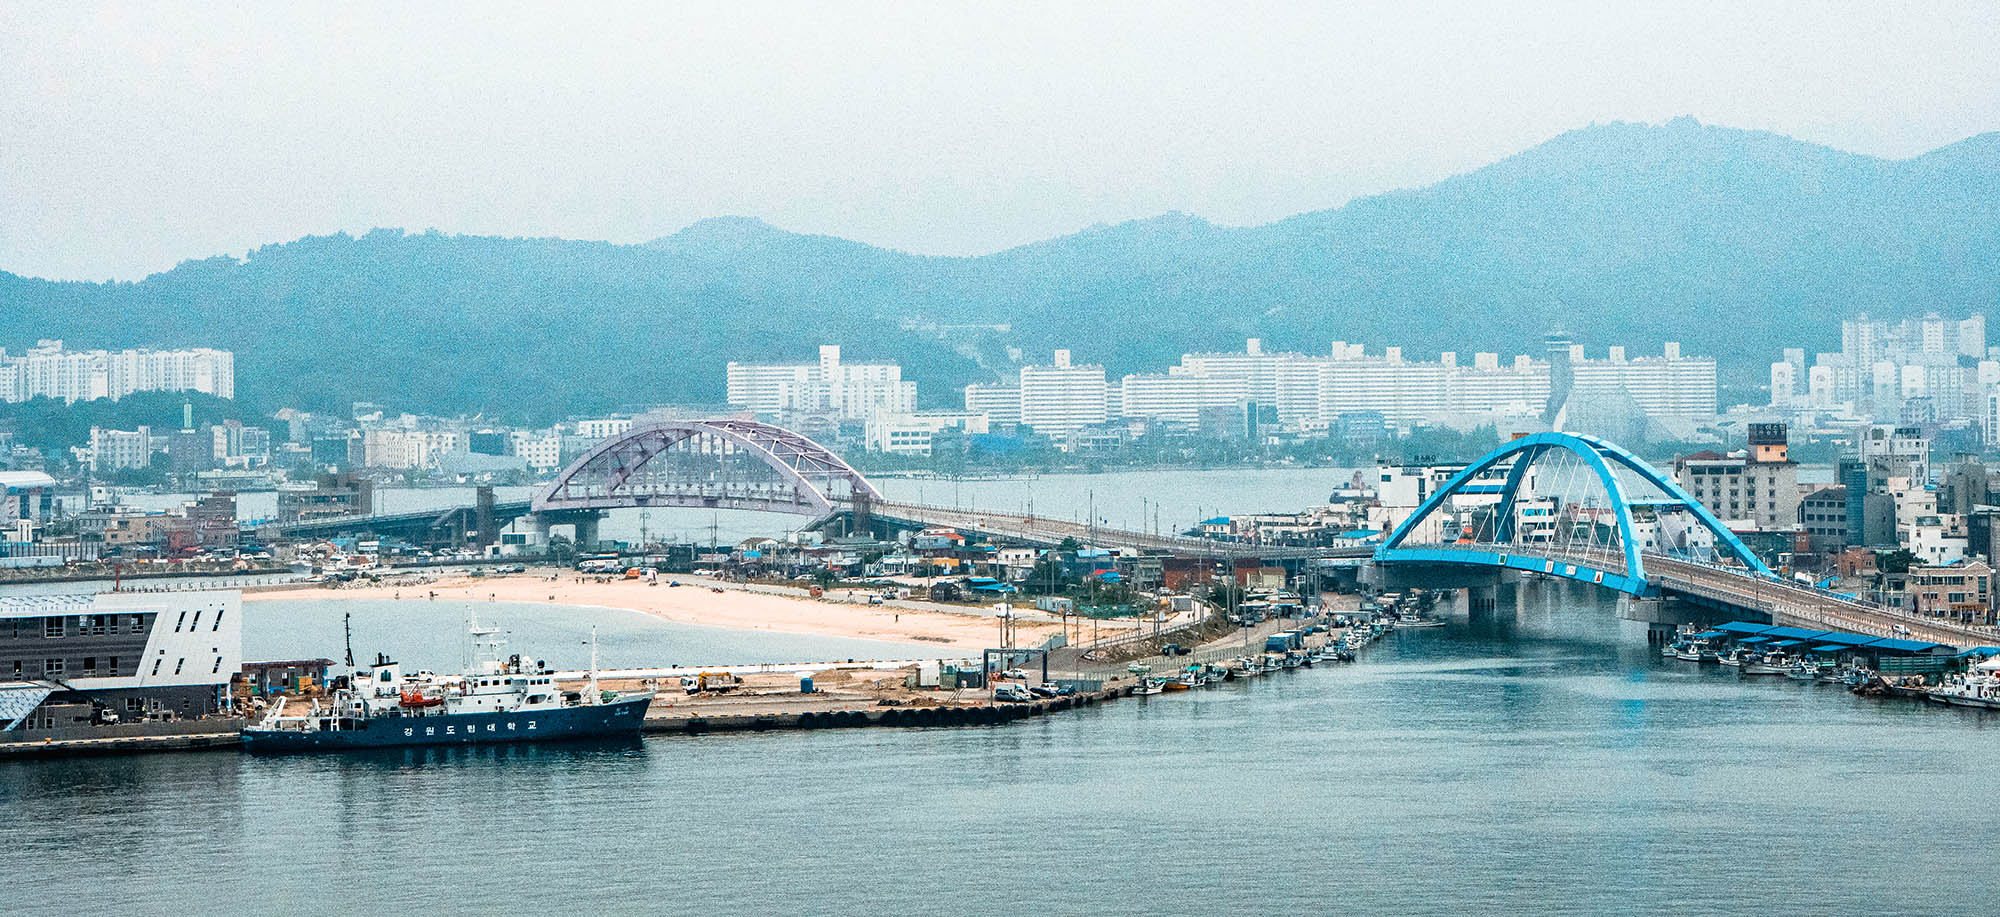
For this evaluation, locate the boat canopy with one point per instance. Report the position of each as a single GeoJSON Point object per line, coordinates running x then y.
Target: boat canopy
{"type": "Point", "coordinates": [1788, 643]}
{"type": "Point", "coordinates": [1710, 635]}
{"type": "Point", "coordinates": [1743, 627]}
{"type": "Point", "coordinates": [1793, 633]}
{"type": "Point", "coordinates": [1749, 640]}
{"type": "Point", "coordinates": [1990, 665]}
{"type": "Point", "coordinates": [1831, 648]}
{"type": "Point", "coordinates": [1981, 651]}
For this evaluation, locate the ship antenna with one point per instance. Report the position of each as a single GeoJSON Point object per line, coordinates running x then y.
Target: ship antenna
{"type": "Point", "coordinates": [347, 629]}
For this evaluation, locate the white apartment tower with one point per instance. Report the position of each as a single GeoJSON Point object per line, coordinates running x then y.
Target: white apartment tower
{"type": "Point", "coordinates": [849, 391]}
{"type": "Point", "coordinates": [1063, 397]}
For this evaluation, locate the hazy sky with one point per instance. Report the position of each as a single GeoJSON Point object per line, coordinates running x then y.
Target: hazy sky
{"type": "Point", "coordinates": [136, 136]}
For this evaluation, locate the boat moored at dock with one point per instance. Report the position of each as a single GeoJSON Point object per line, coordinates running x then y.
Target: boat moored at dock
{"type": "Point", "coordinates": [508, 700]}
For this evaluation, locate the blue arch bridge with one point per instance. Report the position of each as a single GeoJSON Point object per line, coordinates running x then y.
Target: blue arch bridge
{"type": "Point", "coordinates": [1558, 505]}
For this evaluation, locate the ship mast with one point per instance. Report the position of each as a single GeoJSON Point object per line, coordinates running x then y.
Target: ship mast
{"type": "Point", "coordinates": [347, 630]}
{"type": "Point", "coordinates": [594, 696]}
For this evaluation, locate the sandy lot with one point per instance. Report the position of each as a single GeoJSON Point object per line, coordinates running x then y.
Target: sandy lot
{"type": "Point", "coordinates": [696, 601]}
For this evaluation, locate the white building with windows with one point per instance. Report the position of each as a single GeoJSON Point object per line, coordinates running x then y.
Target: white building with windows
{"type": "Point", "coordinates": [1669, 385]}
{"type": "Point", "coordinates": [112, 450]}
{"type": "Point", "coordinates": [49, 371]}
{"type": "Point", "coordinates": [849, 391]}
{"type": "Point", "coordinates": [1000, 403]}
{"type": "Point", "coordinates": [912, 434]}
{"type": "Point", "coordinates": [1180, 398]}
{"type": "Point", "coordinates": [603, 428]}
{"type": "Point", "coordinates": [1062, 397]}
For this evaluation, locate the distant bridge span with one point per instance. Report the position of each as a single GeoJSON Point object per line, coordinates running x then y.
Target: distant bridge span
{"type": "Point", "coordinates": [708, 464]}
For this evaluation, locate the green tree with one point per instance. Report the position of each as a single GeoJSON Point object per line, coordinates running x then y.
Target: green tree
{"type": "Point", "coordinates": [1897, 561]}
{"type": "Point", "coordinates": [561, 550]}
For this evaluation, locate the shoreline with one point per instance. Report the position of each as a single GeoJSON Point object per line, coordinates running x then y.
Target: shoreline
{"type": "Point", "coordinates": [701, 602]}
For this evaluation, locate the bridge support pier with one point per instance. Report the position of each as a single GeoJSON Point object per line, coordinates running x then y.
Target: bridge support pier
{"type": "Point", "coordinates": [584, 521]}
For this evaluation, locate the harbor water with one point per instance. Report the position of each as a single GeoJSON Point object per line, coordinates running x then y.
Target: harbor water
{"type": "Point", "coordinates": [1539, 759]}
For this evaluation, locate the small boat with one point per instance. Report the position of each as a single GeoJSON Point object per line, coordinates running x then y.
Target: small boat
{"type": "Point", "coordinates": [1735, 657]}
{"type": "Point", "coordinates": [1691, 650]}
{"type": "Point", "coordinates": [1148, 687]}
{"type": "Point", "coordinates": [1768, 664]}
{"type": "Point", "coordinates": [1411, 619]}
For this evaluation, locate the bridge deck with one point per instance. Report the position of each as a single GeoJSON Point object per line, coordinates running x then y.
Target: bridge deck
{"type": "Point", "coordinates": [1785, 602]}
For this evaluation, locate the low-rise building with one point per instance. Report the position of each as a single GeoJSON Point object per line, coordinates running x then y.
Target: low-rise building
{"type": "Point", "coordinates": [913, 434]}
{"type": "Point", "coordinates": [1960, 591]}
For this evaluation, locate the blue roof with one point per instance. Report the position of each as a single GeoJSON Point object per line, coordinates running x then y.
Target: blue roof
{"type": "Point", "coordinates": [1219, 520]}
{"type": "Point", "coordinates": [1981, 651]}
{"type": "Point", "coordinates": [1754, 640]}
{"type": "Point", "coordinates": [1793, 632]}
{"type": "Point", "coordinates": [1359, 533]}
{"type": "Point", "coordinates": [1710, 635]}
{"type": "Point", "coordinates": [1902, 646]}
{"type": "Point", "coordinates": [1830, 648]}
{"type": "Point", "coordinates": [1834, 636]}
{"type": "Point", "coordinates": [1743, 627]}
{"type": "Point", "coordinates": [1788, 643]}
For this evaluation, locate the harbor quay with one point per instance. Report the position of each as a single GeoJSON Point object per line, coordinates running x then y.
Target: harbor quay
{"type": "Point", "coordinates": [1004, 686]}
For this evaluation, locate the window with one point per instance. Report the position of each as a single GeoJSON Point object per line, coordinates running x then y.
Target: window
{"type": "Point", "coordinates": [89, 665]}
{"type": "Point", "coordinates": [52, 627]}
{"type": "Point", "coordinates": [17, 668]}
{"type": "Point", "coordinates": [52, 668]}
{"type": "Point", "coordinates": [134, 704]}
{"type": "Point", "coordinates": [156, 667]}
{"type": "Point", "coordinates": [197, 622]}
{"type": "Point", "coordinates": [180, 621]}
{"type": "Point", "coordinates": [111, 667]}
{"type": "Point", "coordinates": [218, 621]}
{"type": "Point", "coordinates": [217, 667]}
{"type": "Point", "coordinates": [177, 664]}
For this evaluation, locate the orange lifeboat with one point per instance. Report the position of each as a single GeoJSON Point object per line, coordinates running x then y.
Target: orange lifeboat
{"type": "Point", "coordinates": [420, 699]}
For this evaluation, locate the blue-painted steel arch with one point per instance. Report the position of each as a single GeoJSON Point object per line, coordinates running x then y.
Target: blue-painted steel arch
{"type": "Point", "coordinates": [1600, 456]}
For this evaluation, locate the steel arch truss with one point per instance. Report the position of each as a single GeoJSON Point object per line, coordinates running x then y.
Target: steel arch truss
{"type": "Point", "coordinates": [1617, 564]}
{"type": "Point", "coordinates": [720, 464]}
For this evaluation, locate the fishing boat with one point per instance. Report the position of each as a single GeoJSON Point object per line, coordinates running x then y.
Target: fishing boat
{"type": "Point", "coordinates": [1979, 688]}
{"type": "Point", "coordinates": [1735, 657]}
{"type": "Point", "coordinates": [1691, 650]}
{"type": "Point", "coordinates": [500, 700]}
{"type": "Point", "coordinates": [1772, 663]}
{"type": "Point", "coordinates": [1410, 619]}
{"type": "Point", "coordinates": [1148, 687]}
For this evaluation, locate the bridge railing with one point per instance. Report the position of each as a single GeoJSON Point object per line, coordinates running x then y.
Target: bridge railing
{"type": "Point", "coordinates": [1042, 528]}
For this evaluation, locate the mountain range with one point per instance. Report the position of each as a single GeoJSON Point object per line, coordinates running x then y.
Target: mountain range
{"type": "Point", "coordinates": [1734, 242]}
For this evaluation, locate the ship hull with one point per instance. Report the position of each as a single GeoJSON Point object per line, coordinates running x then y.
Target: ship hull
{"type": "Point", "coordinates": [618, 719]}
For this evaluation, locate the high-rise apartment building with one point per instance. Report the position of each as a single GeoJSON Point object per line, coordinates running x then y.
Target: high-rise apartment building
{"type": "Point", "coordinates": [849, 391]}
{"type": "Point", "coordinates": [1062, 397]}
{"type": "Point", "coordinates": [1669, 385]}
{"type": "Point", "coordinates": [1000, 403]}
{"type": "Point", "coordinates": [49, 371]}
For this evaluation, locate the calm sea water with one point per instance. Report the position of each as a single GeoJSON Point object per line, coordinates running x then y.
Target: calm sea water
{"type": "Point", "coordinates": [1540, 759]}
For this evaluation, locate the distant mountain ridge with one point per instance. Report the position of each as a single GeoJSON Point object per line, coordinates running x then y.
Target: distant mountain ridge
{"type": "Point", "coordinates": [1734, 242]}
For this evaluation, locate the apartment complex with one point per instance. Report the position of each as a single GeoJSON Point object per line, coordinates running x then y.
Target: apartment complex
{"type": "Point", "coordinates": [846, 391]}
{"type": "Point", "coordinates": [1062, 397]}
{"type": "Point", "coordinates": [49, 371]}
{"type": "Point", "coordinates": [1919, 370]}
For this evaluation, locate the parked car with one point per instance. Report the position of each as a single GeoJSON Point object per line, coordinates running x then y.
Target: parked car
{"type": "Point", "coordinates": [1042, 690]}
{"type": "Point", "coordinates": [1173, 649]}
{"type": "Point", "coordinates": [1011, 693]}
{"type": "Point", "coordinates": [1016, 674]}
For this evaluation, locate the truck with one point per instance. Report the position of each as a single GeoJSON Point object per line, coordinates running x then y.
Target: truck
{"type": "Point", "coordinates": [718, 682]}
